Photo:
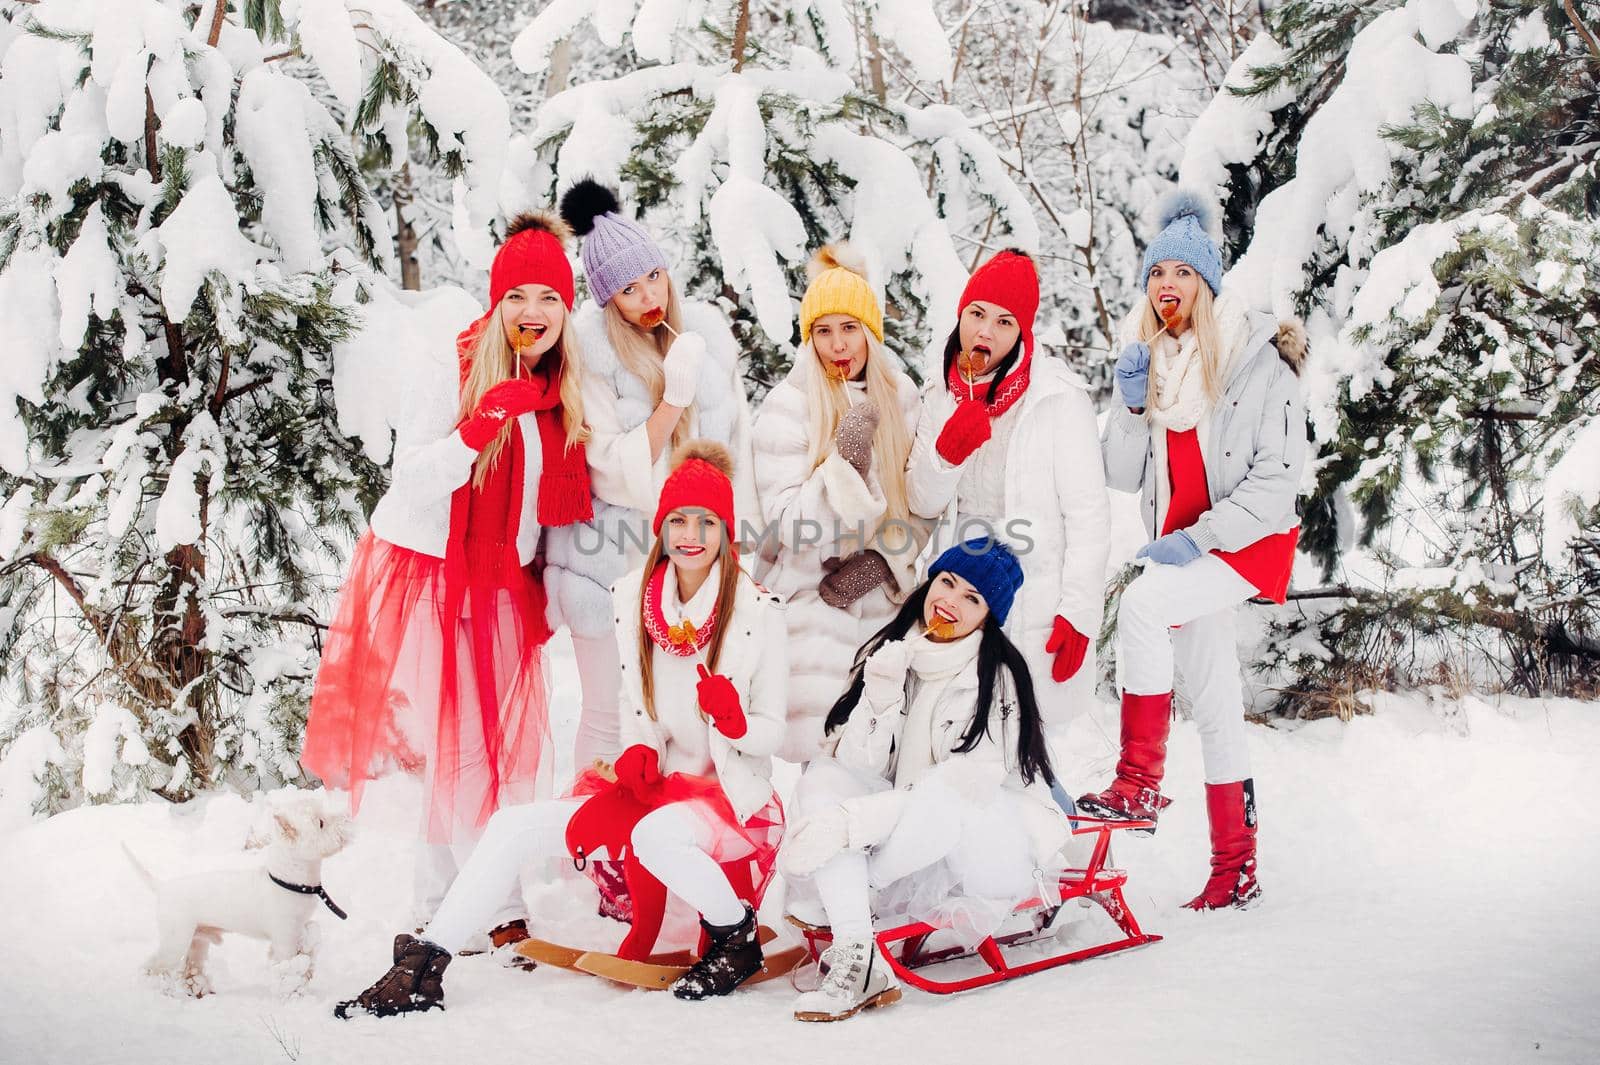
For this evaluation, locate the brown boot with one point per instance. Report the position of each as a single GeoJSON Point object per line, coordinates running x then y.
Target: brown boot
{"type": "Point", "coordinates": [505, 938]}
{"type": "Point", "coordinates": [414, 983]}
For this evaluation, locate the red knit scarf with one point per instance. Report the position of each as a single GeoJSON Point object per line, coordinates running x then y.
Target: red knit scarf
{"type": "Point", "coordinates": [683, 639]}
{"type": "Point", "coordinates": [1011, 388]}
{"type": "Point", "coordinates": [564, 493]}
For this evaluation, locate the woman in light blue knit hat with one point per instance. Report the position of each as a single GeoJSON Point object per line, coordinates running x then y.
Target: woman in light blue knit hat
{"type": "Point", "coordinates": [657, 371]}
{"type": "Point", "coordinates": [1209, 426]}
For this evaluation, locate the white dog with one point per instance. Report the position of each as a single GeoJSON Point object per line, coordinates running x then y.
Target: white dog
{"type": "Point", "coordinates": [272, 900]}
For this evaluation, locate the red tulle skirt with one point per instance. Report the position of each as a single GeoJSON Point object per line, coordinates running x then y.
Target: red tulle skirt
{"type": "Point", "coordinates": [435, 675]}
{"type": "Point", "coordinates": [747, 849]}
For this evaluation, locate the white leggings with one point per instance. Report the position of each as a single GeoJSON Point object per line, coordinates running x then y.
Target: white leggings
{"type": "Point", "coordinates": [600, 677]}
{"type": "Point", "coordinates": [983, 847]}
{"type": "Point", "coordinates": [1199, 600]}
{"type": "Point", "coordinates": [672, 842]}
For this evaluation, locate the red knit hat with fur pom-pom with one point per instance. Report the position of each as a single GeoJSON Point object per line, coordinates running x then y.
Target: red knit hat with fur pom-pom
{"type": "Point", "coordinates": [534, 253]}
{"type": "Point", "coordinates": [702, 476]}
{"type": "Point", "coordinates": [1009, 280]}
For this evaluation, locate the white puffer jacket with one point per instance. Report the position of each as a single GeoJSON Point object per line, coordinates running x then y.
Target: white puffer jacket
{"type": "Point", "coordinates": [875, 737]}
{"type": "Point", "coordinates": [431, 462]}
{"type": "Point", "coordinates": [582, 561]}
{"type": "Point", "coordinates": [803, 507]}
{"type": "Point", "coordinates": [1057, 518]}
{"type": "Point", "coordinates": [753, 658]}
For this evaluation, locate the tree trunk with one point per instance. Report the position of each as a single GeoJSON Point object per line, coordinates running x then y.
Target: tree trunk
{"type": "Point", "coordinates": [405, 236]}
{"type": "Point", "coordinates": [741, 31]}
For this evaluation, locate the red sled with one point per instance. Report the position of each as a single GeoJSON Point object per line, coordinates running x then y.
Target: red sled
{"type": "Point", "coordinates": [906, 947]}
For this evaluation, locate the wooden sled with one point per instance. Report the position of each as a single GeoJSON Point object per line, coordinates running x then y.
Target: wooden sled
{"type": "Point", "coordinates": [906, 947]}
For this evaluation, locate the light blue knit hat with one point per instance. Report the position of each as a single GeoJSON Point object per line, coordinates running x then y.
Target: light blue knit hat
{"type": "Point", "coordinates": [1185, 222]}
{"type": "Point", "coordinates": [616, 249]}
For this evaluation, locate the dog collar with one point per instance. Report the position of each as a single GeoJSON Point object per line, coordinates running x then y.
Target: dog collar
{"type": "Point", "coordinates": [310, 889]}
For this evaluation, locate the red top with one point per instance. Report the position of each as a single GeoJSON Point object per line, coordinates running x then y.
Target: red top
{"type": "Point", "coordinates": [1266, 563]}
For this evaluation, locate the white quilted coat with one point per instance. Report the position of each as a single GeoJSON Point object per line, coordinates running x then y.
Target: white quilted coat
{"type": "Point", "coordinates": [1057, 518]}
{"type": "Point", "coordinates": [752, 658]}
{"type": "Point", "coordinates": [431, 462]}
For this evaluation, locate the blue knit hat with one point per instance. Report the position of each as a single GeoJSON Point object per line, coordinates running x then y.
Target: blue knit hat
{"type": "Point", "coordinates": [616, 249]}
{"type": "Point", "coordinates": [1185, 222]}
{"type": "Point", "coordinates": [989, 566]}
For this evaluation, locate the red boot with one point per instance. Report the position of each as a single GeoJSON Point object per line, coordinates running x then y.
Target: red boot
{"type": "Point", "coordinates": [1136, 793]}
{"type": "Point", "coordinates": [1232, 810]}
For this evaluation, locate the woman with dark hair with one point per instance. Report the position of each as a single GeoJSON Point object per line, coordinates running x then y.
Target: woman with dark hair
{"type": "Point", "coordinates": [1007, 446]}
{"type": "Point", "coordinates": [933, 802]}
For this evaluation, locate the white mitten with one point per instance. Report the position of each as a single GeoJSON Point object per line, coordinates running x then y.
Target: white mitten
{"type": "Point", "coordinates": [884, 675]}
{"type": "Point", "coordinates": [682, 367]}
{"type": "Point", "coordinates": [812, 843]}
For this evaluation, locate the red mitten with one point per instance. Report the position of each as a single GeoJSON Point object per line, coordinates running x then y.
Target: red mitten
{"type": "Point", "coordinates": [720, 700]}
{"type": "Point", "coordinates": [508, 399]}
{"type": "Point", "coordinates": [964, 433]}
{"type": "Point", "coordinates": [639, 770]}
{"type": "Point", "coordinates": [1068, 645]}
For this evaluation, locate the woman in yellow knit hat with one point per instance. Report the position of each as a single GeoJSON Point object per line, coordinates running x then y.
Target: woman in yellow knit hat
{"type": "Point", "coordinates": [831, 444]}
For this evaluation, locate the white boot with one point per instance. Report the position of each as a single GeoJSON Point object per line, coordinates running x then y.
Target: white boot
{"type": "Point", "coordinates": [857, 979]}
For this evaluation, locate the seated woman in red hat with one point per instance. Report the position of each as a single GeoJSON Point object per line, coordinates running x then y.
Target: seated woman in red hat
{"type": "Point", "coordinates": [434, 658]}
{"type": "Point", "coordinates": [1008, 445]}
{"type": "Point", "coordinates": [703, 700]}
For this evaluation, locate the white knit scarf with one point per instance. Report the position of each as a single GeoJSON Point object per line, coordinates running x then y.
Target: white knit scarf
{"type": "Point", "coordinates": [935, 666]}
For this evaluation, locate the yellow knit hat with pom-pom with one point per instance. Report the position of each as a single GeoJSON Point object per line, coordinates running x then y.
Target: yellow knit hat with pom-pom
{"type": "Point", "coordinates": [838, 285]}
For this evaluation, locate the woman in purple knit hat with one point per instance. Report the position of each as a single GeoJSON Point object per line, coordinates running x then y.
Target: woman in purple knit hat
{"type": "Point", "coordinates": [657, 371]}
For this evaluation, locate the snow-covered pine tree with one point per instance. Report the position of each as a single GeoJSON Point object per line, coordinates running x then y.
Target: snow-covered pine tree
{"type": "Point", "coordinates": [1422, 181]}
{"type": "Point", "coordinates": [187, 243]}
{"type": "Point", "coordinates": [748, 140]}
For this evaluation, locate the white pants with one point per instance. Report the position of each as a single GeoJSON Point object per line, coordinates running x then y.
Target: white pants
{"type": "Point", "coordinates": [942, 846]}
{"type": "Point", "coordinates": [600, 676]}
{"type": "Point", "coordinates": [437, 863]}
{"type": "Point", "coordinates": [1180, 619]}
{"type": "Point", "coordinates": [672, 842]}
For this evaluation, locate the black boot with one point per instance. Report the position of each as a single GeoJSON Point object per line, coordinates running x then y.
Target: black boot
{"type": "Point", "coordinates": [414, 983]}
{"type": "Point", "coordinates": [733, 957]}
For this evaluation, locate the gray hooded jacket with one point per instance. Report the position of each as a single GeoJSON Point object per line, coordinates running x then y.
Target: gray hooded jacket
{"type": "Point", "coordinates": [1253, 441]}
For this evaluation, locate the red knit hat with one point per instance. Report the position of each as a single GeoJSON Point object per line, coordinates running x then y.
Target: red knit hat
{"type": "Point", "coordinates": [534, 254]}
{"type": "Point", "coordinates": [1008, 280]}
{"type": "Point", "coordinates": [702, 476]}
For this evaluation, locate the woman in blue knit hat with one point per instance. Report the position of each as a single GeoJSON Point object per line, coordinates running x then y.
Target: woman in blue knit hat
{"type": "Point", "coordinates": [1210, 428]}
{"type": "Point", "coordinates": [939, 698]}
{"type": "Point", "coordinates": [657, 371]}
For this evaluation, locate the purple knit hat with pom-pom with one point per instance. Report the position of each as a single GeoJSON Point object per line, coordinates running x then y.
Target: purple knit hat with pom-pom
{"type": "Point", "coordinates": [616, 249]}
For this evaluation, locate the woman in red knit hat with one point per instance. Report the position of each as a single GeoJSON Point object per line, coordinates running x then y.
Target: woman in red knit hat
{"type": "Point", "coordinates": [688, 805]}
{"type": "Point", "coordinates": [434, 659]}
{"type": "Point", "coordinates": [1008, 445]}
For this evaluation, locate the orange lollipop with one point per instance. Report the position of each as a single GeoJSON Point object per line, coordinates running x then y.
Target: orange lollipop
{"type": "Point", "coordinates": [838, 370]}
{"type": "Point", "coordinates": [683, 634]}
{"type": "Point", "coordinates": [940, 629]}
{"type": "Point", "coordinates": [656, 316]}
{"type": "Point", "coordinates": [1169, 313]}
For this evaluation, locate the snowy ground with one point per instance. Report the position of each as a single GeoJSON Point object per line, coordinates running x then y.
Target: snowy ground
{"type": "Point", "coordinates": [1409, 917]}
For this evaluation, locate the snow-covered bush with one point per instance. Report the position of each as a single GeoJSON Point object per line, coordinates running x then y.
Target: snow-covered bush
{"type": "Point", "coordinates": [190, 258]}
{"type": "Point", "coordinates": [1421, 180]}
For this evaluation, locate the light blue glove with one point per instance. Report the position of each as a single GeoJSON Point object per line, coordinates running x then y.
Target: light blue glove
{"type": "Point", "coordinates": [1133, 373]}
{"type": "Point", "coordinates": [1174, 549]}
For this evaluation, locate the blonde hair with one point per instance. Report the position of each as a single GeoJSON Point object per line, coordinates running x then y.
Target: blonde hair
{"type": "Point", "coordinates": [493, 360]}
{"type": "Point", "coordinates": [828, 399]}
{"type": "Point", "coordinates": [641, 351]}
{"type": "Point", "coordinates": [1207, 337]}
